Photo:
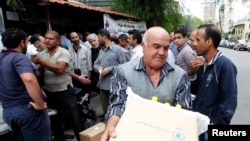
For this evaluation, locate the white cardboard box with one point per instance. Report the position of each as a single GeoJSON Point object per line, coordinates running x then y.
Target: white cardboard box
{"type": "Point", "coordinates": [145, 120]}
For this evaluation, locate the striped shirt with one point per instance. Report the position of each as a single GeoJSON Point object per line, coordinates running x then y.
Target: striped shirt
{"type": "Point", "coordinates": [173, 86]}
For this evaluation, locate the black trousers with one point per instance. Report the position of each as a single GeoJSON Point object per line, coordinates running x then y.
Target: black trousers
{"type": "Point", "coordinates": [85, 88]}
{"type": "Point", "coordinates": [66, 104]}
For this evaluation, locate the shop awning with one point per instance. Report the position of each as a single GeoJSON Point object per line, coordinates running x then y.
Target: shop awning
{"type": "Point", "coordinates": [88, 7]}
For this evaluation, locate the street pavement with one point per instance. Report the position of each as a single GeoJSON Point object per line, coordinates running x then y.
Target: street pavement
{"type": "Point", "coordinates": [241, 60]}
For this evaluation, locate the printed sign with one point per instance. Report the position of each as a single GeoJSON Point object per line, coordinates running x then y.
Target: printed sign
{"type": "Point", "coordinates": [118, 27]}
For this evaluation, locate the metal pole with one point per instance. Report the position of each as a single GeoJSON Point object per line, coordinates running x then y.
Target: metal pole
{"type": "Point", "coordinates": [48, 22]}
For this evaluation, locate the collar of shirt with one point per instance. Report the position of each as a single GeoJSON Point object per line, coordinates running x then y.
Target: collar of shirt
{"type": "Point", "coordinates": [164, 70]}
{"type": "Point", "coordinates": [109, 47]}
{"type": "Point", "coordinates": [218, 55]}
{"type": "Point", "coordinates": [46, 50]}
{"type": "Point", "coordinates": [181, 47]}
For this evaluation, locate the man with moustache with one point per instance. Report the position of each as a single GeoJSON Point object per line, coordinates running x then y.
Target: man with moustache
{"type": "Point", "coordinates": [215, 85]}
{"type": "Point", "coordinates": [157, 78]}
{"type": "Point", "coordinates": [80, 63]}
{"type": "Point", "coordinates": [54, 61]}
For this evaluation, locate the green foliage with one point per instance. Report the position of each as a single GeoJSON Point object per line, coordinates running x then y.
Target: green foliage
{"type": "Point", "coordinates": [225, 35]}
{"type": "Point", "coordinates": [15, 4]}
{"type": "Point", "coordinates": [163, 13]}
{"type": "Point", "coordinates": [222, 8]}
{"type": "Point", "coordinates": [197, 21]}
{"type": "Point", "coordinates": [208, 22]}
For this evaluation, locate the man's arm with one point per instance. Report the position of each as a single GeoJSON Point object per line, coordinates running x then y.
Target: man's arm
{"type": "Point", "coordinates": [228, 95]}
{"type": "Point", "coordinates": [183, 95]}
{"type": "Point", "coordinates": [110, 128]}
{"type": "Point", "coordinates": [34, 90]}
{"type": "Point", "coordinates": [59, 67]}
{"type": "Point", "coordinates": [117, 104]}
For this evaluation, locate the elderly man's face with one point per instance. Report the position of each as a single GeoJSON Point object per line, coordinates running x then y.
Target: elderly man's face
{"type": "Point", "coordinates": [156, 49]}
{"type": "Point", "coordinates": [94, 43]}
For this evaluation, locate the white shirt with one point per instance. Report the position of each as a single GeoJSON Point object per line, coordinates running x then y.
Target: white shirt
{"type": "Point", "coordinates": [1, 44]}
{"type": "Point", "coordinates": [31, 50]}
{"type": "Point", "coordinates": [170, 58]}
{"type": "Point", "coordinates": [136, 52]}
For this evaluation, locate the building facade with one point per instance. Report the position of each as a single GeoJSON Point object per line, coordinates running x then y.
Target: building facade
{"type": "Point", "coordinates": [234, 17]}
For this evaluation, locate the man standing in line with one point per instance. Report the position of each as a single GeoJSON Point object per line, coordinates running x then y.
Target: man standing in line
{"type": "Point", "coordinates": [216, 84]}
{"type": "Point", "coordinates": [54, 60]}
{"type": "Point", "coordinates": [124, 42]}
{"type": "Point", "coordinates": [185, 52]}
{"type": "Point", "coordinates": [81, 64]}
{"type": "Point", "coordinates": [135, 39]}
{"type": "Point", "coordinates": [110, 56]}
{"type": "Point", "coordinates": [95, 48]}
{"type": "Point", "coordinates": [192, 39]}
{"type": "Point", "coordinates": [173, 46]}
{"type": "Point", "coordinates": [20, 93]}
{"type": "Point", "coordinates": [157, 78]}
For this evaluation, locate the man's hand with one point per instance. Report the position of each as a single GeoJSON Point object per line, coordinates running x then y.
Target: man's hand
{"type": "Point", "coordinates": [36, 59]}
{"type": "Point", "coordinates": [194, 64]}
{"type": "Point", "coordinates": [43, 106]}
{"type": "Point", "coordinates": [84, 80]}
{"type": "Point", "coordinates": [109, 132]}
{"type": "Point", "coordinates": [110, 128]}
{"type": "Point", "coordinates": [105, 71]}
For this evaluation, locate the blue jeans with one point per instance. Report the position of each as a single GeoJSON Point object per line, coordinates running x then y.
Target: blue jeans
{"type": "Point", "coordinates": [27, 123]}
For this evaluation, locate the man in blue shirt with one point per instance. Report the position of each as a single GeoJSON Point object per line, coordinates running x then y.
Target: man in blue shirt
{"type": "Point", "coordinates": [110, 56]}
{"type": "Point", "coordinates": [21, 95]}
{"type": "Point", "coordinates": [215, 85]}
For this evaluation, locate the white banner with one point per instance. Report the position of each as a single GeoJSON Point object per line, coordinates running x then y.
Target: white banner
{"type": "Point", "coordinates": [118, 27]}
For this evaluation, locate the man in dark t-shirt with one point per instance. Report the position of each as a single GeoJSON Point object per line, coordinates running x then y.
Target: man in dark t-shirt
{"type": "Point", "coordinates": [21, 95]}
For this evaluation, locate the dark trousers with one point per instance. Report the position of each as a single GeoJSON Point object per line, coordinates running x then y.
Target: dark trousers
{"type": "Point", "coordinates": [104, 96]}
{"type": "Point", "coordinates": [65, 103]}
{"type": "Point", "coordinates": [85, 88]}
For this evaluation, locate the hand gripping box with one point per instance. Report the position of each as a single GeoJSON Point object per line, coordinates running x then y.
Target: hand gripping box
{"type": "Point", "coordinates": [146, 120]}
{"type": "Point", "coordinates": [93, 133]}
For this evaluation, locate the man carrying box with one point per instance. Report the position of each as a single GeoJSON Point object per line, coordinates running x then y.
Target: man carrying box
{"type": "Point", "coordinates": [157, 78]}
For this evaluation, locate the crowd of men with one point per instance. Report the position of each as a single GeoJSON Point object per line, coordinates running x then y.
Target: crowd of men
{"type": "Point", "coordinates": [175, 67]}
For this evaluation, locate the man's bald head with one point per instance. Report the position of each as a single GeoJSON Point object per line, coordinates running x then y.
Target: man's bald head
{"type": "Point", "coordinates": [155, 31]}
{"type": "Point", "coordinates": [54, 33]}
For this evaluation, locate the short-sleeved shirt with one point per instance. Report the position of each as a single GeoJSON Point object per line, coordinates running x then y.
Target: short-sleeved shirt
{"type": "Point", "coordinates": [56, 82]}
{"type": "Point", "coordinates": [12, 89]}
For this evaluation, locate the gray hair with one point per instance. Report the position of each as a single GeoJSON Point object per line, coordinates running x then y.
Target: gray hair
{"type": "Point", "coordinates": [92, 36]}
